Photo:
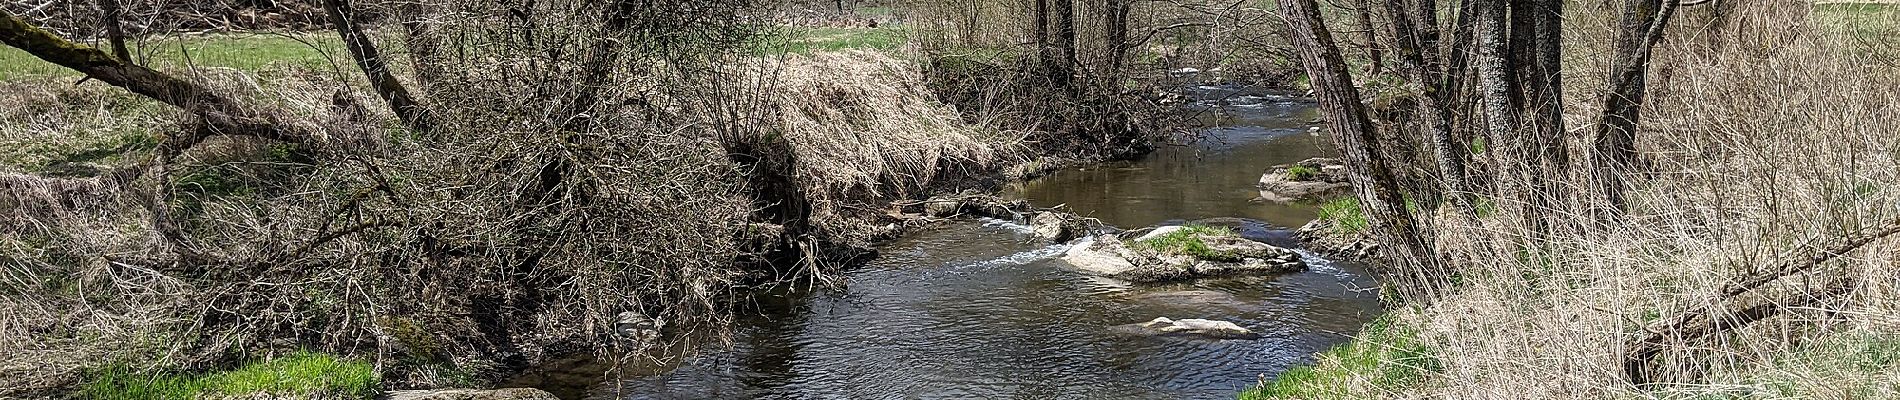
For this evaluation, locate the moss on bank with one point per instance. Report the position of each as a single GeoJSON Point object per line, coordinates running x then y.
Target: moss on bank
{"type": "Point", "coordinates": [299, 375]}
{"type": "Point", "coordinates": [1386, 358]}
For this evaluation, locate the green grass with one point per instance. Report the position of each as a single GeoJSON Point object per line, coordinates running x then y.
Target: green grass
{"type": "Point", "coordinates": [1187, 241]}
{"type": "Point", "coordinates": [1385, 358]}
{"type": "Point", "coordinates": [248, 52]}
{"type": "Point", "coordinates": [299, 375]}
{"type": "Point", "coordinates": [808, 41]}
{"type": "Point", "coordinates": [1344, 214]}
{"type": "Point", "coordinates": [1301, 173]}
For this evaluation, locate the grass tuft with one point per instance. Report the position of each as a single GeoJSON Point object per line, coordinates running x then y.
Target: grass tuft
{"type": "Point", "coordinates": [299, 375]}
{"type": "Point", "coordinates": [1300, 173]}
{"type": "Point", "coordinates": [1386, 358]}
{"type": "Point", "coordinates": [1344, 214]}
{"type": "Point", "coordinates": [1187, 241]}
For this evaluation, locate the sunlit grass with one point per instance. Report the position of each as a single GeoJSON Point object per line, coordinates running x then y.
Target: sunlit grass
{"type": "Point", "coordinates": [1345, 215]}
{"type": "Point", "coordinates": [299, 375]}
{"type": "Point", "coordinates": [1187, 241]}
{"type": "Point", "coordinates": [807, 41]}
{"type": "Point", "coordinates": [1387, 357]}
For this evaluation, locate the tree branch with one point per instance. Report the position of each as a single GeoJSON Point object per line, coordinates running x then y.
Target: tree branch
{"type": "Point", "coordinates": [220, 115]}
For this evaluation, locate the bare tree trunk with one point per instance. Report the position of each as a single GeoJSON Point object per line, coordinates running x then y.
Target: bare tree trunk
{"type": "Point", "coordinates": [1433, 111]}
{"type": "Point", "coordinates": [1368, 30]}
{"type": "Point", "coordinates": [1062, 23]}
{"type": "Point", "coordinates": [370, 60]}
{"type": "Point", "coordinates": [1045, 46]}
{"type": "Point", "coordinates": [112, 15]}
{"type": "Point", "coordinates": [1424, 15]}
{"type": "Point", "coordinates": [1615, 150]}
{"type": "Point", "coordinates": [1372, 177]}
{"type": "Point", "coordinates": [1550, 154]}
{"type": "Point", "coordinates": [1117, 34]}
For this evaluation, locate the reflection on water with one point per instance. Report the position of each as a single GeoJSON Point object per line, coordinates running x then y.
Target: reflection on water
{"type": "Point", "coordinates": [1214, 177]}
{"type": "Point", "coordinates": [979, 310]}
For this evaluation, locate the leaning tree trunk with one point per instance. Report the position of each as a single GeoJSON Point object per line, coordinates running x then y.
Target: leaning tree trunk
{"type": "Point", "coordinates": [1615, 150]}
{"type": "Point", "coordinates": [370, 60]}
{"type": "Point", "coordinates": [1352, 130]}
{"type": "Point", "coordinates": [218, 114]}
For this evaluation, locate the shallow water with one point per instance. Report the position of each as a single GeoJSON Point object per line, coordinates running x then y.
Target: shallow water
{"type": "Point", "coordinates": [977, 309]}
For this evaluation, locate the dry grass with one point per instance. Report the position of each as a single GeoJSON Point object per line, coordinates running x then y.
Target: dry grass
{"type": "Point", "coordinates": [1775, 135]}
{"type": "Point", "coordinates": [863, 128]}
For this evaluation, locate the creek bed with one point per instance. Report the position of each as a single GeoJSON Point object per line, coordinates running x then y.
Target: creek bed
{"type": "Point", "coordinates": [977, 309]}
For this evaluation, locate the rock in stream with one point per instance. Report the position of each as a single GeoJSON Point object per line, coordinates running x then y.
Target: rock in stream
{"type": "Point", "coordinates": [1134, 256]}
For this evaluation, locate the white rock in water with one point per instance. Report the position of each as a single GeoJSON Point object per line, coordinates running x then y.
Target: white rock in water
{"type": "Point", "coordinates": [1159, 232]}
{"type": "Point", "coordinates": [1106, 263]}
{"type": "Point", "coordinates": [1199, 327]}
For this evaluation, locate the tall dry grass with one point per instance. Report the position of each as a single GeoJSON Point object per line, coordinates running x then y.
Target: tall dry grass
{"type": "Point", "coordinates": [1762, 135]}
{"type": "Point", "coordinates": [863, 129]}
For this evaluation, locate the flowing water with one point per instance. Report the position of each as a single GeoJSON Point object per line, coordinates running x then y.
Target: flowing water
{"type": "Point", "coordinates": [979, 310]}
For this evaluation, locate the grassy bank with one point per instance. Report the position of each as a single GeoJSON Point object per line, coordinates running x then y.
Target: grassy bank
{"type": "Point", "coordinates": [1383, 361]}
{"type": "Point", "coordinates": [1767, 135]}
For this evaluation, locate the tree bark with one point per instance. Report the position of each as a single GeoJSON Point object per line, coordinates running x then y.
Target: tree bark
{"type": "Point", "coordinates": [1494, 85]}
{"type": "Point", "coordinates": [370, 60]}
{"type": "Point", "coordinates": [1615, 150]}
{"type": "Point", "coordinates": [1372, 178]}
{"type": "Point", "coordinates": [1544, 96]}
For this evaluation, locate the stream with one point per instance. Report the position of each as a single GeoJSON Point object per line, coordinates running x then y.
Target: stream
{"type": "Point", "coordinates": [978, 309]}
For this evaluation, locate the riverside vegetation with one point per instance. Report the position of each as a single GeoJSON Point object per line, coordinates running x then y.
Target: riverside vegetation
{"type": "Point", "coordinates": [1733, 244]}
{"type": "Point", "coordinates": [395, 195]}
{"type": "Point", "coordinates": [334, 199]}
